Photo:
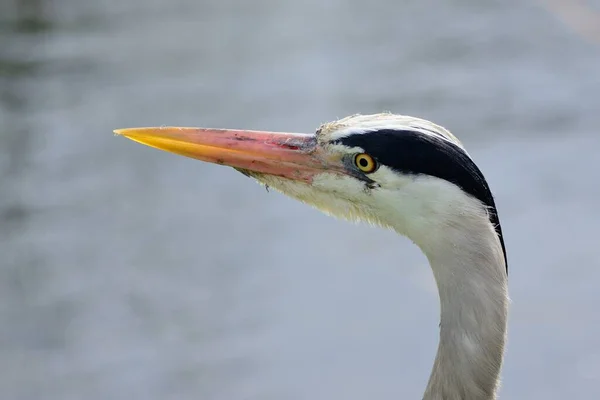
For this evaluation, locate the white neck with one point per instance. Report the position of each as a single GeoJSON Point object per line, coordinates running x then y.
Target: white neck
{"type": "Point", "coordinates": [468, 264]}
{"type": "Point", "coordinates": [454, 230]}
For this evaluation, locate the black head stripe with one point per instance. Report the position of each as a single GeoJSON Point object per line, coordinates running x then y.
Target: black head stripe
{"type": "Point", "coordinates": [412, 152]}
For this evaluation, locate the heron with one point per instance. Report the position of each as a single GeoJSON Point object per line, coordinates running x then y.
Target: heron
{"type": "Point", "coordinates": [402, 173]}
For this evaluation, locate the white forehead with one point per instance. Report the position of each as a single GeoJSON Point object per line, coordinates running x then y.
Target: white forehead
{"type": "Point", "coordinates": [360, 124]}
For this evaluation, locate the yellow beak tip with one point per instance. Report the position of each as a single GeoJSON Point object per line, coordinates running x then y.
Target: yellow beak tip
{"type": "Point", "coordinates": [120, 132]}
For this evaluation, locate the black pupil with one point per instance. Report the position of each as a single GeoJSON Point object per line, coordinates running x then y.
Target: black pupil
{"type": "Point", "coordinates": [363, 162]}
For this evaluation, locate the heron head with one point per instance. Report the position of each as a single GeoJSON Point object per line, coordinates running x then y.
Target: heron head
{"type": "Point", "coordinates": [392, 170]}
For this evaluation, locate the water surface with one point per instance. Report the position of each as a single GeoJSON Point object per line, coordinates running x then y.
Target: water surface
{"type": "Point", "coordinates": [130, 273]}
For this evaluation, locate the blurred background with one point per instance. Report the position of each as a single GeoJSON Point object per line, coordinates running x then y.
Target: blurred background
{"type": "Point", "coordinates": [126, 272]}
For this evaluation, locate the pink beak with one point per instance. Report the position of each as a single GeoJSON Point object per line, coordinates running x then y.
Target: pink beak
{"type": "Point", "coordinates": [289, 155]}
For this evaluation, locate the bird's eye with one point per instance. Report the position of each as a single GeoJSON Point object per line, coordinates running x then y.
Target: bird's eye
{"type": "Point", "coordinates": [365, 163]}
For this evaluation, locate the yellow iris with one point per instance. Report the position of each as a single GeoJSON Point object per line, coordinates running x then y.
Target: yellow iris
{"type": "Point", "coordinates": [365, 162]}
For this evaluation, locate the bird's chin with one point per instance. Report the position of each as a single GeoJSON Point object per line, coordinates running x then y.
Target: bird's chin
{"type": "Point", "coordinates": [268, 181]}
{"type": "Point", "coordinates": [314, 194]}
{"type": "Point", "coordinates": [246, 172]}
{"type": "Point", "coordinates": [287, 186]}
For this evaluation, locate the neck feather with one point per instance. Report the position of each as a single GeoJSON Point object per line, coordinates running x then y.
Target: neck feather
{"type": "Point", "coordinates": [469, 268]}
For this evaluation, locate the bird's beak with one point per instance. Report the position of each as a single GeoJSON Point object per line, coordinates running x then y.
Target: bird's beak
{"type": "Point", "coordinates": [289, 155]}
